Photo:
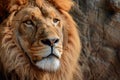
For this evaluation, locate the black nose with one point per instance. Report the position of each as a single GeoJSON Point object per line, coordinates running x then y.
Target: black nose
{"type": "Point", "coordinates": [50, 42]}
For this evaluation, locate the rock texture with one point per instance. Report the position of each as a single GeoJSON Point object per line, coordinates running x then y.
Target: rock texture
{"type": "Point", "coordinates": [99, 24]}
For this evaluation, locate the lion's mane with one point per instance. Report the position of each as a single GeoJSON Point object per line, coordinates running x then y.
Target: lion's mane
{"type": "Point", "coordinates": [13, 63]}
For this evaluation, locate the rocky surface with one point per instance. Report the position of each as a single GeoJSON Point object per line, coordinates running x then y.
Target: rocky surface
{"type": "Point", "coordinates": [99, 24]}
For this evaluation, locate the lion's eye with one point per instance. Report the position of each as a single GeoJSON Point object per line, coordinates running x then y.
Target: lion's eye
{"type": "Point", "coordinates": [28, 23]}
{"type": "Point", "coordinates": [56, 21]}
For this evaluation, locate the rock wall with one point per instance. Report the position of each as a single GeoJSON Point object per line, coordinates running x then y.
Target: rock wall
{"type": "Point", "coordinates": [99, 24]}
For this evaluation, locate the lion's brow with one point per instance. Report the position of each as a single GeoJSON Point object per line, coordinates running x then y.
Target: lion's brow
{"type": "Point", "coordinates": [44, 11]}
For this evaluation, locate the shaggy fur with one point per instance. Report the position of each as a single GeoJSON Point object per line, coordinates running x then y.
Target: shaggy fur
{"type": "Point", "coordinates": [15, 65]}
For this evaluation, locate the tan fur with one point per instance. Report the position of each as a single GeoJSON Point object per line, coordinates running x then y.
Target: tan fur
{"type": "Point", "coordinates": [15, 64]}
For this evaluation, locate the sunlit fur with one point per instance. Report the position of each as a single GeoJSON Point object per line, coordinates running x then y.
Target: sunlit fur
{"type": "Point", "coordinates": [21, 54]}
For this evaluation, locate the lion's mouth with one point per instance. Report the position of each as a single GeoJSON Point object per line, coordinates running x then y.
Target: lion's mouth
{"type": "Point", "coordinates": [52, 54]}
{"type": "Point", "coordinates": [49, 63]}
{"type": "Point", "coordinates": [46, 57]}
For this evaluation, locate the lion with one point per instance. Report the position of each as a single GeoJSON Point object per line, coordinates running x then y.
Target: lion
{"type": "Point", "coordinates": [39, 40]}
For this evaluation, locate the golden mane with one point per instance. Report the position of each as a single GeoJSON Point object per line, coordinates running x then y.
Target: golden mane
{"type": "Point", "coordinates": [13, 62]}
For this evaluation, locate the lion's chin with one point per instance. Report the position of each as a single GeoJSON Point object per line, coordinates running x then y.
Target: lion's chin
{"type": "Point", "coordinates": [50, 64]}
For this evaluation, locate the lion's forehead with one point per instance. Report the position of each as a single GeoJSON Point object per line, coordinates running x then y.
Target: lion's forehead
{"type": "Point", "coordinates": [35, 11]}
{"type": "Point", "coordinates": [38, 12]}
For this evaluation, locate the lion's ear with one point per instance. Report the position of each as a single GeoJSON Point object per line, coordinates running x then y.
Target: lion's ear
{"type": "Point", "coordinates": [7, 6]}
{"type": "Point", "coordinates": [62, 4]}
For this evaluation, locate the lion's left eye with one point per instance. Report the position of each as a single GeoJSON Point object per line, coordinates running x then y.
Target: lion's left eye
{"type": "Point", "coordinates": [56, 21]}
{"type": "Point", "coordinates": [28, 23]}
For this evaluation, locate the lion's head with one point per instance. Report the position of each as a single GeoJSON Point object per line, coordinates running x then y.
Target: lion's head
{"type": "Point", "coordinates": [38, 32]}
{"type": "Point", "coordinates": [39, 36]}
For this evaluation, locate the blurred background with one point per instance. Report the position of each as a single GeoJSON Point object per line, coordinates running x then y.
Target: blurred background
{"type": "Point", "coordinates": [99, 25]}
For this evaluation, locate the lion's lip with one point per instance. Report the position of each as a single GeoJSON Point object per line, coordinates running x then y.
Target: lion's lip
{"type": "Point", "coordinates": [52, 54]}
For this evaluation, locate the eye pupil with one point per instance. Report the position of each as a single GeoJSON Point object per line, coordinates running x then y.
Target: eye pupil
{"type": "Point", "coordinates": [56, 20]}
{"type": "Point", "coordinates": [29, 22]}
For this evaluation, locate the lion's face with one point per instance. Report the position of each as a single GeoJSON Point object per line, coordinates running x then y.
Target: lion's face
{"type": "Point", "coordinates": [39, 34]}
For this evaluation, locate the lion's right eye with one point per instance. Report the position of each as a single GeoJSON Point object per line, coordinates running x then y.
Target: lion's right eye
{"type": "Point", "coordinates": [29, 23]}
{"type": "Point", "coordinates": [56, 21]}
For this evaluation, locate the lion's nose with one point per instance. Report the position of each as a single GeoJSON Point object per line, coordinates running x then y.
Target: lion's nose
{"type": "Point", "coordinates": [50, 42]}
